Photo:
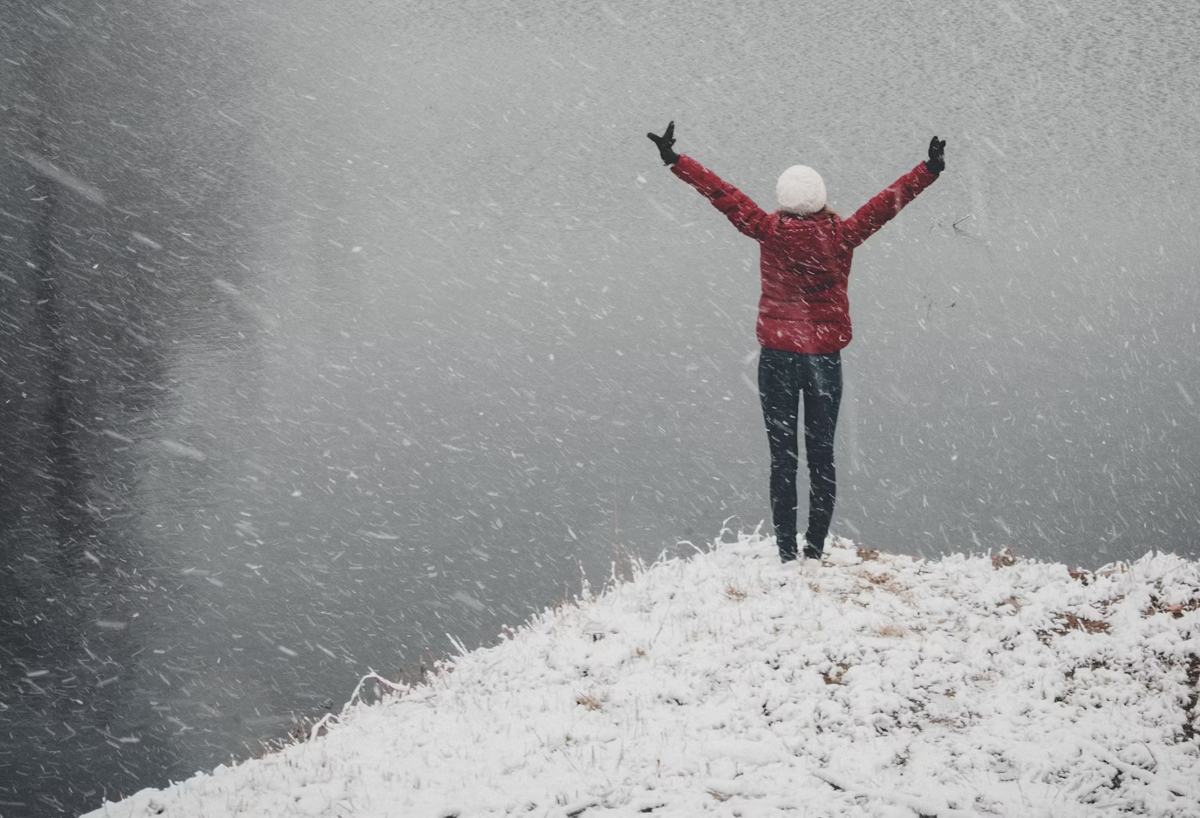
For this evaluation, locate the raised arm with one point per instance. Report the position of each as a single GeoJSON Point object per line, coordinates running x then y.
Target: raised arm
{"type": "Point", "coordinates": [885, 205]}
{"type": "Point", "coordinates": [739, 208]}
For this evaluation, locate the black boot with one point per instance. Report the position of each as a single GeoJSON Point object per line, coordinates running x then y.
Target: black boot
{"type": "Point", "coordinates": [787, 548]}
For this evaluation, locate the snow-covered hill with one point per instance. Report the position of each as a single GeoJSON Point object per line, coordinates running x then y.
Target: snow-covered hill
{"type": "Point", "coordinates": [727, 684]}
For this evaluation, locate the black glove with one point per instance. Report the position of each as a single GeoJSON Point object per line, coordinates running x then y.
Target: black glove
{"type": "Point", "coordinates": [664, 143]}
{"type": "Point", "coordinates": [937, 155]}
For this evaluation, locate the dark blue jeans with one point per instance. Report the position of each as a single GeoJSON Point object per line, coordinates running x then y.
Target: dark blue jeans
{"type": "Point", "coordinates": [783, 378]}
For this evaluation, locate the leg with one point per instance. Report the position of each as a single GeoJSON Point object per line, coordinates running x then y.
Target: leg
{"type": "Point", "coordinates": [779, 392]}
{"type": "Point", "coordinates": [822, 399]}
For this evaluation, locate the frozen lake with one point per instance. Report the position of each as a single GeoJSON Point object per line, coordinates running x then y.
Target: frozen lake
{"type": "Point", "coordinates": [329, 333]}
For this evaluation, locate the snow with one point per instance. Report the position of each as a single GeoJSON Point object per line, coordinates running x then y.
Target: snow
{"type": "Point", "coordinates": [52, 171]}
{"type": "Point", "coordinates": [729, 684]}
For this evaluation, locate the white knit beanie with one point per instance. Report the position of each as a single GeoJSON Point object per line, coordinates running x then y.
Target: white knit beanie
{"type": "Point", "coordinates": [800, 190]}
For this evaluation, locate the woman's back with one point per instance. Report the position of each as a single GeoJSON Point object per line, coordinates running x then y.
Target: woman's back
{"type": "Point", "coordinates": [805, 260]}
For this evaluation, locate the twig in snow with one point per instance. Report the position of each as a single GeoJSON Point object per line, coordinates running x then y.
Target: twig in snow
{"type": "Point", "coordinates": [971, 215]}
{"type": "Point", "coordinates": [372, 675]}
{"type": "Point", "coordinates": [921, 806]}
{"type": "Point", "coordinates": [1145, 776]}
{"type": "Point", "coordinates": [323, 723]}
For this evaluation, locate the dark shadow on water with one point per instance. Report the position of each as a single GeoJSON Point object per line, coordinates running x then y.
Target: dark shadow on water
{"type": "Point", "coordinates": [91, 311]}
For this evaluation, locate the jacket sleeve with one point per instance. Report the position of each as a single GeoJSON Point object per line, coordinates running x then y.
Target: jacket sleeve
{"type": "Point", "coordinates": [885, 205]}
{"type": "Point", "coordinates": [739, 208]}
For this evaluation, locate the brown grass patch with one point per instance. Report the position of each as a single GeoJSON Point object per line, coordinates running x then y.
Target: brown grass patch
{"type": "Point", "coordinates": [883, 580]}
{"type": "Point", "coordinates": [589, 701]}
{"type": "Point", "coordinates": [1068, 622]}
{"type": "Point", "coordinates": [1177, 610]}
{"type": "Point", "coordinates": [834, 677]}
{"type": "Point", "coordinates": [736, 594]}
{"type": "Point", "coordinates": [1005, 559]}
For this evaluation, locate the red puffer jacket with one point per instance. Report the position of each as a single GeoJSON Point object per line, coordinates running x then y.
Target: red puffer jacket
{"type": "Point", "coordinates": [805, 259]}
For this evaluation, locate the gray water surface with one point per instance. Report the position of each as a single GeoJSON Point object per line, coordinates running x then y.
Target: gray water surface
{"type": "Point", "coordinates": [334, 330]}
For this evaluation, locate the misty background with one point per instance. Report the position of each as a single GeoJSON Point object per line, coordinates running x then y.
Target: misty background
{"type": "Point", "coordinates": [331, 330]}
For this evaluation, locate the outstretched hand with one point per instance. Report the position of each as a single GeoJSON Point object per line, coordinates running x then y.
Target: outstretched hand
{"type": "Point", "coordinates": [665, 143]}
{"type": "Point", "coordinates": [937, 155]}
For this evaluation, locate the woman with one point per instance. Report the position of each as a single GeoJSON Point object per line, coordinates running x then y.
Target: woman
{"type": "Point", "coordinates": [803, 317]}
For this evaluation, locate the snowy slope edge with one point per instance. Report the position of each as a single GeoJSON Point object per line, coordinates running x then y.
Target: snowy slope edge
{"type": "Point", "coordinates": [728, 684]}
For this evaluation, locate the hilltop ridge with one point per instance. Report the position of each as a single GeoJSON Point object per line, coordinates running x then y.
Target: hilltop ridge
{"type": "Point", "coordinates": [727, 684]}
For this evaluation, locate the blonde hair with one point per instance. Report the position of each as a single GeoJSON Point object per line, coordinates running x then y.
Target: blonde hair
{"type": "Point", "coordinates": [825, 210]}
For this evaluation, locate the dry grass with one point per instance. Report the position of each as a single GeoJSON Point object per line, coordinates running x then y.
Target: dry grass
{"type": "Point", "coordinates": [1177, 610]}
{"type": "Point", "coordinates": [1078, 623]}
{"type": "Point", "coordinates": [1192, 709]}
{"type": "Point", "coordinates": [892, 584]}
{"type": "Point", "coordinates": [1005, 559]}
{"type": "Point", "coordinates": [589, 701]}
{"type": "Point", "coordinates": [1067, 622]}
{"type": "Point", "coordinates": [736, 594]}
{"type": "Point", "coordinates": [834, 677]}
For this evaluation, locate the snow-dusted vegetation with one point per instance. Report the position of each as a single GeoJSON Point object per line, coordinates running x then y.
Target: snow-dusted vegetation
{"type": "Point", "coordinates": [727, 684]}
